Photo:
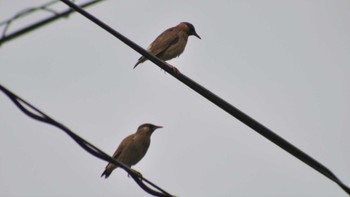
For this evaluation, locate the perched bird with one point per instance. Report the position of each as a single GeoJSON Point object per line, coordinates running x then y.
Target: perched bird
{"type": "Point", "coordinates": [171, 43]}
{"type": "Point", "coordinates": [132, 149]}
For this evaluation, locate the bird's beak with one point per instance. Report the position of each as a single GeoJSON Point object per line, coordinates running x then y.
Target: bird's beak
{"type": "Point", "coordinates": [158, 127]}
{"type": "Point", "coordinates": [195, 34]}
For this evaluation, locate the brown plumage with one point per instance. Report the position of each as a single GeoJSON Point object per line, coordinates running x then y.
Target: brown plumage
{"type": "Point", "coordinates": [171, 43]}
{"type": "Point", "coordinates": [132, 149]}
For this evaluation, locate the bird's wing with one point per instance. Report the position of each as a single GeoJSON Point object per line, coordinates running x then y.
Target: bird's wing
{"type": "Point", "coordinates": [123, 144]}
{"type": "Point", "coordinates": [164, 41]}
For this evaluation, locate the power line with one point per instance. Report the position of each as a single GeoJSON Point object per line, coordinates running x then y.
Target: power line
{"type": "Point", "coordinates": [255, 125]}
{"type": "Point", "coordinates": [42, 117]}
{"type": "Point", "coordinates": [56, 15]}
{"type": "Point", "coordinates": [193, 85]}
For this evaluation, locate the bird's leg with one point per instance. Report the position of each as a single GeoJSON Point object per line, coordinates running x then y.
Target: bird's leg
{"type": "Point", "coordinates": [136, 172]}
{"type": "Point", "coordinates": [175, 70]}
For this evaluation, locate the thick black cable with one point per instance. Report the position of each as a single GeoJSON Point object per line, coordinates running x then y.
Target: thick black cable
{"type": "Point", "coordinates": [255, 125]}
{"type": "Point", "coordinates": [42, 117]}
{"type": "Point", "coordinates": [57, 15]}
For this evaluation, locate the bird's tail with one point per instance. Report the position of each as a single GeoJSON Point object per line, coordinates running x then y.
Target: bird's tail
{"type": "Point", "coordinates": [106, 173]}
{"type": "Point", "coordinates": [139, 61]}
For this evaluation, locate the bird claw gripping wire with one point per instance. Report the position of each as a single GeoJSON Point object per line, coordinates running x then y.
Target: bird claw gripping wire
{"type": "Point", "coordinates": [136, 173]}
{"type": "Point", "coordinates": [174, 69]}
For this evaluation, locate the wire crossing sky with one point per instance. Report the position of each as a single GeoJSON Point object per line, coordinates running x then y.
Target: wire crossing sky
{"type": "Point", "coordinates": [261, 129]}
{"type": "Point", "coordinates": [42, 117]}
{"type": "Point", "coordinates": [296, 78]}
{"type": "Point", "coordinates": [56, 15]}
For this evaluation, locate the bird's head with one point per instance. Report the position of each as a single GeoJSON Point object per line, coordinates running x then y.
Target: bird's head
{"type": "Point", "coordinates": [191, 29]}
{"type": "Point", "coordinates": [147, 128]}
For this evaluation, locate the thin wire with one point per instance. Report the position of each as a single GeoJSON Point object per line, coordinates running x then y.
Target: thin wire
{"type": "Point", "coordinates": [29, 10]}
{"type": "Point", "coordinates": [42, 117]}
{"type": "Point", "coordinates": [255, 125]}
{"type": "Point", "coordinates": [26, 12]}
{"type": "Point", "coordinates": [56, 15]}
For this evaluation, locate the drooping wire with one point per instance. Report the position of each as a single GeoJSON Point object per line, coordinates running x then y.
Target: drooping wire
{"type": "Point", "coordinates": [45, 7]}
{"type": "Point", "coordinates": [38, 115]}
{"type": "Point", "coordinates": [207, 94]}
{"type": "Point", "coordinates": [255, 125]}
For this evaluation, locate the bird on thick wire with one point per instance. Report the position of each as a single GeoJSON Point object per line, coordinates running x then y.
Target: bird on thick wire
{"type": "Point", "coordinates": [133, 148]}
{"type": "Point", "coordinates": [171, 43]}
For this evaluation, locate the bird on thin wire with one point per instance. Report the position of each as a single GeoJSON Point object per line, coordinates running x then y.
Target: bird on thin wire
{"type": "Point", "coordinates": [171, 43]}
{"type": "Point", "coordinates": [133, 148]}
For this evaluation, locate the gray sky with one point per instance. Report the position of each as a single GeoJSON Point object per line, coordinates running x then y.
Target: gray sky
{"type": "Point", "coordinates": [285, 63]}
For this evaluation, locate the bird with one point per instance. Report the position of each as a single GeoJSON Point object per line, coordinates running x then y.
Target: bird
{"type": "Point", "coordinates": [171, 43]}
{"type": "Point", "coordinates": [133, 148]}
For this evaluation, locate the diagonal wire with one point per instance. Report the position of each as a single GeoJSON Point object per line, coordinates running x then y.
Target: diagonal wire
{"type": "Point", "coordinates": [56, 15]}
{"type": "Point", "coordinates": [42, 117]}
{"type": "Point", "coordinates": [235, 112]}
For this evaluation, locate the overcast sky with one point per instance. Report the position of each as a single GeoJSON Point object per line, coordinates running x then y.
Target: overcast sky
{"type": "Point", "coordinates": [284, 63]}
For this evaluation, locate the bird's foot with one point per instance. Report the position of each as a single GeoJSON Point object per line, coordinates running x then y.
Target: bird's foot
{"type": "Point", "coordinates": [175, 70]}
{"type": "Point", "coordinates": [136, 173]}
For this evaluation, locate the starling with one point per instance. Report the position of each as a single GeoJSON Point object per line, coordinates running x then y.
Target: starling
{"type": "Point", "coordinates": [171, 43]}
{"type": "Point", "coordinates": [132, 149]}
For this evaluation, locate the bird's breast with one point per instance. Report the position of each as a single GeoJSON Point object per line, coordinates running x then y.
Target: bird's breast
{"type": "Point", "coordinates": [177, 48]}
